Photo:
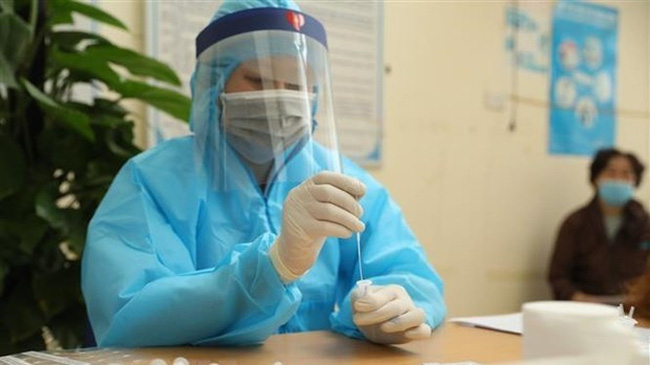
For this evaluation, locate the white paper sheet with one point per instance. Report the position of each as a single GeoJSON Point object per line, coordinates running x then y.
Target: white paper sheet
{"type": "Point", "coordinates": [513, 323]}
{"type": "Point", "coordinates": [510, 323]}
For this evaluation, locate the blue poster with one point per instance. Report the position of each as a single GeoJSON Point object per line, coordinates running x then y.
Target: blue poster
{"type": "Point", "coordinates": [583, 78]}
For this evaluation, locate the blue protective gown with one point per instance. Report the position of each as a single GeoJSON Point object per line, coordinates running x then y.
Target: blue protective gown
{"type": "Point", "coordinates": [169, 260]}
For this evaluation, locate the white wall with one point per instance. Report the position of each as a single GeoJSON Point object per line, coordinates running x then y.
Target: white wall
{"type": "Point", "coordinates": [485, 202]}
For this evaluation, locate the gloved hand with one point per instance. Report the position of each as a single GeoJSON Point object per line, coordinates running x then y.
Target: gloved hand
{"type": "Point", "coordinates": [387, 315]}
{"type": "Point", "coordinates": [323, 206]}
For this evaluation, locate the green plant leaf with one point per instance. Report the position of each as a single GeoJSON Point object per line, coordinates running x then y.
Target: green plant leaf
{"type": "Point", "coordinates": [71, 222]}
{"type": "Point", "coordinates": [66, 150]}
{"type": "Point", "coordinates": [48, 257]}
{"type": "Point", "coordinates": [6, 76]}
{"type": "Point", "coordinates": [86, 10]}
{"type": "Point", "coordinates": [46, 208]}
{"type": "Point", "coordinates": [103, 106]}
{"type": "Point", "coordinates": [32, 343]}
{"type": "Point", "coordinates": [20, 204]}
{"type": "Point", "coordinates": [109, 121]}
{"type": "Point", "coordinates": [7, 6]}
{"type": "Point", "coordinates": [70, 118]}
{"type": "Point", "coordinates": [171, 102]}
{"type": "Point", "coordinates": [12, 165]}
{"type": "Point", "coordinates": [4, 269]}
{"type": "Point", "coordinates": [87, 64]}
{"type": "Point", "coordinates": [29, 238]}
{"type": "Point", "coordinates": [112, 142]}
{"type": "Point", "coordinates": [71, 39]}
{"type": "Point", "coordinates": [136, 63]}
{"type": "Point", "coordinates": [60, 17]}
{"type": "Point", "coordinates": [57, 291]}
{"type": "Point", "coordinates": [25, 240]}
{"type": "Point", "coordinates": [20, 313]}
{"type": "Point", "coordinates": [76, 225]}
{"type": "Point", "coordinates": [15, 36]}
{"type": "Point", "coordinates": [12, 255]}
{"type": "Point", "coordinates": [69, 326]}
{"type": "Point", "coordinates": [101, 173]}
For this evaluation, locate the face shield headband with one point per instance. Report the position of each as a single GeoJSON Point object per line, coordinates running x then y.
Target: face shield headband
{"type": "Point", "coordinates": [260, 19]}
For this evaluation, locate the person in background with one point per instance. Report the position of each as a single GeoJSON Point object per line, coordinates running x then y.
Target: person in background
{"type": "Point", "coordinates": [247, 227]}
{"type": "Point", "coordinates": [603, 245]}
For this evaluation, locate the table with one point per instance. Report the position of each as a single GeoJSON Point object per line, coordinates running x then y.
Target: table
{"type": "Point", "coordinates": [451, 343]}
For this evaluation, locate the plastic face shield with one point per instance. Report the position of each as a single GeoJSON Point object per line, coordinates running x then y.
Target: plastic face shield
{"type": "Point", "coordinates": [261, 100]}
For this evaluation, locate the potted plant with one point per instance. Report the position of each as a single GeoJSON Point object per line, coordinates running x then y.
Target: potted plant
{"type": "Point", "coordinates": [59, 153]}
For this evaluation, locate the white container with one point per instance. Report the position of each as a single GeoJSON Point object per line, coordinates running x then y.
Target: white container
{"type": "Point", "coordinates": [562, 328]}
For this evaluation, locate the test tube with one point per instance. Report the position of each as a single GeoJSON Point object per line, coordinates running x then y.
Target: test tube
{"type": "Point", "coordinates": [363, 285]}
{"type": "Point", "coordinates": [359, 256]}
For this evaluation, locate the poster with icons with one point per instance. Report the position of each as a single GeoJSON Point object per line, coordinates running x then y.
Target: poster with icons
{"type": "Point", "coordinates": [355, 40]}
{"type": "Point", "coordinates": [527, 35]}
{"type": "Point", "coordinates": [583, 78]}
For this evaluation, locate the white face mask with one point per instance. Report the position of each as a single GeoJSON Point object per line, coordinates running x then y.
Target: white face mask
{"type": "Point", "coordinates": [261, 124]}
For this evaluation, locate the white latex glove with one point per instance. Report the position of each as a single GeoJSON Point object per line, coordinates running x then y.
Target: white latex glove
{"type": "Point", "coordinates": [387, 315]}
{"type": "Point", "coordinates": [323, 206]}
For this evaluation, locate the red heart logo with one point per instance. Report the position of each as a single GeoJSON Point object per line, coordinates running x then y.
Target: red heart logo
{"type": "Point", "coordinates": [296, 20]}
